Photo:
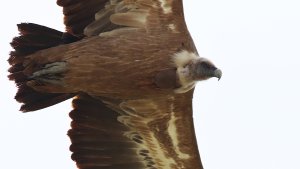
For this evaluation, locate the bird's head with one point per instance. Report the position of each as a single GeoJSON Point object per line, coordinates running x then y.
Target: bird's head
{"type": "Point", "coordinates": [202, 69]}
{"type": "Point", "coordinates": [192, 68]}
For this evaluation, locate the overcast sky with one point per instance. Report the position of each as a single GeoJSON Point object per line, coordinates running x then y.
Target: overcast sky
{"type": "Point", "coordinates": [248, 120]}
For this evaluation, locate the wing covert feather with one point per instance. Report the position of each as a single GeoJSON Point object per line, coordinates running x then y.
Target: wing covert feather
{"type": "Point", "coordinates": [142, 134]}
{"type": "Point", "coordinates": [92, 17]}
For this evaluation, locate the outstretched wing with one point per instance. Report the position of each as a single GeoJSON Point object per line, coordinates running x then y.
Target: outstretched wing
{"type": "Point", "coordinates": [92, 17]}
{"type": "Point", "coordinates": [155, 133]}
{"type": "Point", "coordinates": [152, 133]}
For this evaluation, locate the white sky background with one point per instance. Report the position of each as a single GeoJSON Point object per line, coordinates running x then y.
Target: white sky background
{"type": "Point", "coordinates": [248, 120]}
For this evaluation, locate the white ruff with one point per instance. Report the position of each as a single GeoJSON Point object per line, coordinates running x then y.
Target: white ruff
{"type": "Point", "coordinates": [181, 59]}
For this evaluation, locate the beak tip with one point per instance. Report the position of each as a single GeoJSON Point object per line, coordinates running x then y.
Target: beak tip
{"type": "Point", "coordinates": [218, 74]}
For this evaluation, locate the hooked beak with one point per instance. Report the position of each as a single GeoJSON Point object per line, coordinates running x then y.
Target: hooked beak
{"type": "Point", "coordinates": [218, 74]}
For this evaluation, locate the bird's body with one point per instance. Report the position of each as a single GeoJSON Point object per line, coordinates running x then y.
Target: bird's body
{"type": "Point", "coordinates": [114, 65]}
{"type": "Point", "coordinates": [131, 66]}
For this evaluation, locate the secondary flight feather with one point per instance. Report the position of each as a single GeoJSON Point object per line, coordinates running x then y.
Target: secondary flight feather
{"type": "Point", "coordinates": [130, 67]}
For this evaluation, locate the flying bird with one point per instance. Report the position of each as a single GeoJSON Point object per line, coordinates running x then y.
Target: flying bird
{"type": "Point", "coordinates": [131, 67]}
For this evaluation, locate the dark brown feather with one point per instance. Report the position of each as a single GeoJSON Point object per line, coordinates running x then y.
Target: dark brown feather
{"type": "Point", "coordinates": [78, 13]}
{"type": "Point", "coordinates": [32, 38]}
{"type": "Point", "coordinates": [97, 137]}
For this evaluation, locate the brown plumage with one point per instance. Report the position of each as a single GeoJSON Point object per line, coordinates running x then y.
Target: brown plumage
{"type": "Point", "coordinates": [132, 67]}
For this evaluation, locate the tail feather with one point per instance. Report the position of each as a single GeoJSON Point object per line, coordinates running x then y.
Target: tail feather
{"type": "Point", "coordinates": [33, 38]}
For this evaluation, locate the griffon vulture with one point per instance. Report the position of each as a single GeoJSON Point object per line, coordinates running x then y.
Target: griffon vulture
{"type": "Point", "coordinates": [130, 67]}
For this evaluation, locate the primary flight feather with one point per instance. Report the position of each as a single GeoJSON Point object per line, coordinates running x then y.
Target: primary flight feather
{"type": "Point", "coordinates": [131, 67]}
